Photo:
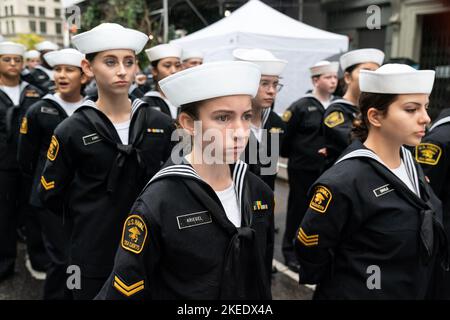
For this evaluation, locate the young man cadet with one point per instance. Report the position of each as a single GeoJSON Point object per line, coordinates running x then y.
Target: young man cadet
{"type": "Point", "coordinates": [165, 61]}
{"type": "Point", "coordinates": [100, 158]}
{"type": "Point", "coordinates": [267, 127]}
{"type": "Point", "coordinates": [32, 59]}
{"type": "Point", "coordinates": [304, 146]}
{"type": "Point", "coordinates": [339, 116]}
{"type": "Point", "coordinates": [15, 98]}
{"type": "Point", "coordinates": [191, 58]}
{"type": "Point", "coordinates": [42, 119]}
{"type": "Point", "coordinates": [42, 75]}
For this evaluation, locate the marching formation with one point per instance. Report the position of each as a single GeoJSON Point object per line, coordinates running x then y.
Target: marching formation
{"type": "Point", "coordinates": [162, 187]}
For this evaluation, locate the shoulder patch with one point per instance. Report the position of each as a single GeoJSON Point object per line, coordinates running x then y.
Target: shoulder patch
{"type": "Point", "coordinates": [53, 149]}
{"type": "Point", "coordinates": [334, 119]}
{"type": "Point", "coordinates": [287, 116]}
{"type": "Point", "coordinates": [308, 241]}
{"type": "Point", "coordinates": [428, 153]}
{"type": "Point", "coordinates": [134, 234]}
{"type": "Point", "coordinates": [24, 126]}
{"type": "Point", "coordinates": [321, 199]}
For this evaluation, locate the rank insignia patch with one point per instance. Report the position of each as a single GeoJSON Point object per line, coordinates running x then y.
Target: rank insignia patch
{"type": "Point", "coordinates": [308, 241]}
{"type": "Point", "coordinates": [24, 126]}
{"type": "Point", "coordinates": [321, 199]}
{"type": "Point", "coordinates": [47, 185]}
{"type": "Point", "coordinates": [134, 234]}
{"type": "Point", "coordinates": [128, 290]}
{"type": "Point", "coordinates": [53, 149]}
{"type": "Point", "coordinates": [31, 94]}
{"type": "Point", "coordinates": [258, 205]}
{"type": "Point", "coordinates": [154, 130]}
{"type": "Point", "coordinates": [287, 116]}
{"type": "Point", "coordinates": [428, 153]}
{"type": "Point", "coordinates": [334, 119]}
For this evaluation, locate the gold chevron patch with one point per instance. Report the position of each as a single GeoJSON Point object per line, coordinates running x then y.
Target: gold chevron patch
{"type": "Point", "coordinates": [306, 240]}
{"type": "Point", "coordinates": [47, 185]}
{"type": "Point", "coordinates": [128, 290]}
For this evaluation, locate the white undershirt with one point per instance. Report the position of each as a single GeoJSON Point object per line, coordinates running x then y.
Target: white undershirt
{"type": "Point", "coordinates": [229, 202]}
{"type": "Point", "coordinates": [326, 104]}
{"type": "Point", "coordinates": [257, 131]}
{"type": "Point", "coordinates": [13, 93]}
{"type": "Point", "coordinates": [69, 107]}
{"type": "Point", "coordinates": [402, 174]}
{"type": "Point", "coordinates": [122, 130]}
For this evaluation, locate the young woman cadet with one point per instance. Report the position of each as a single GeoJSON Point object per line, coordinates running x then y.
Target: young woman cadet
{"type": "Point", "coordinates": [340, 114]}
{"type": "Point", "coordinates": [100, 158]}
{"type": "Point", "coordinates": [373, 229]}
{"type": "Point", "coordinates": [214, 241]}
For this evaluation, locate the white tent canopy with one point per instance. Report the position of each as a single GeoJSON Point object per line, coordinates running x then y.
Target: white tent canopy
{"type": "Point", "coordinates": [256, 25]}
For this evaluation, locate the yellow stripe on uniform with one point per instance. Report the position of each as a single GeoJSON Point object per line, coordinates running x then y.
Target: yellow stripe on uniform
{"type": "Point", "coordinates": [128, 290]}
{"type": "Point", "coordinates": [306, 240]}
{"type": "Point", "coordinates": [47, 185]}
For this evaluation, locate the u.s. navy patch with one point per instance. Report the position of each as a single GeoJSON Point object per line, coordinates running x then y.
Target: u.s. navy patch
{"type": "Point", "coordinates": [428, 153]}
{"type": "Point", "coordinates": [287, 116]}
{"type": "Point", "coordinates": [321, 199]}
{"type": "Point", "coordinates": [53, 149]}
{"type": "Point", "coordinates": [334, 119]}
{"type": "Point", "coordinates": [134, 234]}
{"type": "Point", "coordinates": [259, 205]}
{"type": "Point", "coordinates": [193, 219]}
{"type": "Point", "coordinates": [24, 126]}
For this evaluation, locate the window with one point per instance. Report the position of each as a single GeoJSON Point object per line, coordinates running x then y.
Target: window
{"type": "Point", "coordinates": [32, 25]}
{"type": "Point", "coordinates": [57, 13]}
{"type": "Point", "coordinates": [7, 27]}
{"type": "Point", "coordinates": [58, 28]}
{"type": "Point", "coordinates": [6, 11]}
{"type": "Point", "coordinates": [41, 11]}
{"type": "Point", "coordinates": [43, 27]}
{"type": "Point", "coordinates": [12, 10]}
{"type": "Point", "coordinates": [31, 11]}
{"type": "Point", "coordinates": [13, 27]}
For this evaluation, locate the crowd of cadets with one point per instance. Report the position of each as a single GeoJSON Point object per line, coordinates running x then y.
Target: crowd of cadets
{"type": "Point", "coordinates": [89, 173]}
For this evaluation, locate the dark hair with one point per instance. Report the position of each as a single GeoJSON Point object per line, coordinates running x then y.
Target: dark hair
{"type": "Point", "coordinates": [154, 63]}
{"type": "Point", "coordinates": [379, 101]}
{"type": "Point", "coordinates": [91, 56]}
{"type": "Point", "coordinates": [190, 109]}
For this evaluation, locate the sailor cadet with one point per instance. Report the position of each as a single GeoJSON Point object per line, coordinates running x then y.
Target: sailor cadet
{"type": "Point", "coordinates": [191, 58]}
{"type": "Point", "coordinates": [165, 61]}
{"type": "Point", "coordinates": [214, 241]}
{"type": "Point", "coordinates": [40, 121]}
{"type": "Point", "coordinates": [304, 146]}
{"type": "Point", "coordinates": [100, 157]}
{"type": "Point", "coordinates": [16, 97]}
{"type": "Point", "coordinates": [339, 116]}
{"type": "Point", "coordinates": [42, 75]}
{"type": "Point", "coordinates": [373, 228]}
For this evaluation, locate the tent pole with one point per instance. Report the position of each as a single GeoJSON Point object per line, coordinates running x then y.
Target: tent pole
{"type": "Point", "coordinates": [166, 20]}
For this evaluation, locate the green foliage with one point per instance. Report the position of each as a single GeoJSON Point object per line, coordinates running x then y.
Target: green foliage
{"type": "Point", "coordinates": [29, 40]}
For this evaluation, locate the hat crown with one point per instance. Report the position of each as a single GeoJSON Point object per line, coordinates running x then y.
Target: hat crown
{"type": "Point", "coordinates": [394, 68]}
{"type": "Point", "coordinates": [254, 54]}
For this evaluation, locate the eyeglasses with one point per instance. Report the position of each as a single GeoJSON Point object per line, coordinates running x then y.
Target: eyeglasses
{"type": "Point", "coordinates": [274, 85]}
{"type": "Point", "coordinates": [9, 59]}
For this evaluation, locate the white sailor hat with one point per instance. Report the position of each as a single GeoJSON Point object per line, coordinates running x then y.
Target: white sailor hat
{"type": "Point", "coordinates": [211, 80]}
{"type": "Point", "coordinates": [269, 64]}
{"type": "Point", "coordinates": [394, 78]}
{"type": "Point", "coordinates": [190, 54]}
{"type": "Point", "coordinates": [70, 57]}
{"type": "Point", "coordinates": [109, 36]}
{"type": "Point", "coordinates": [9, 47]}
{"type": "Point", "coordinates": [46, 46]}
{"type": "Point", "coordinates": [361, 56]}
{"type": "Point", "coordinates": [32, 54]}
{"type": "Point", "coordinates": [162, 51]}
{"type": "Point", "coordinates": [323, 67]}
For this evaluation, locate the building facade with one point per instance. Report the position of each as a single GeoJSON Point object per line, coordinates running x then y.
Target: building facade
{"type": "Point", "coordinates": [42, 17]}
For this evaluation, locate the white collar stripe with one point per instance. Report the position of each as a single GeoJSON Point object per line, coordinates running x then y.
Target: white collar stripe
{"type": "Point", "coordinates": [440, 122]}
